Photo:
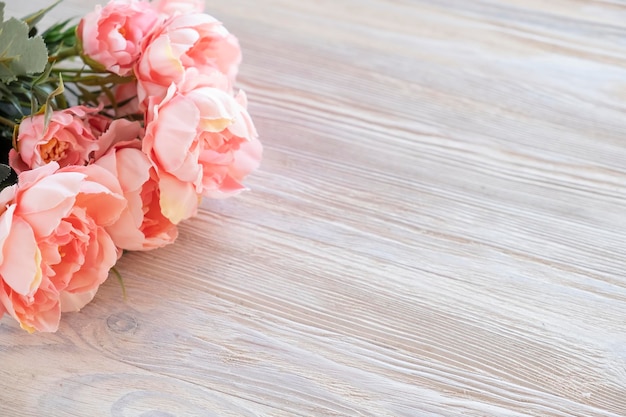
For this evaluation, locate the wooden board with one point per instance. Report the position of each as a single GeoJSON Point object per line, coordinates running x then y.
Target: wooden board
{"type": "Point", "coordinates": [438, 229]}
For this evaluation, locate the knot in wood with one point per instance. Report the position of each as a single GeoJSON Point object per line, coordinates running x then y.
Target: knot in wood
{"type": "Point", "coordinates": [121, 323]}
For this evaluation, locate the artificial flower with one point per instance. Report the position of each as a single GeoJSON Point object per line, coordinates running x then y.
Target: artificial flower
{"type": "Point", "coordinates": [142, 225]}
{"type": "Point", "coordinates": [54, 242]}
{"type": "Point", "coordinates": [111, 156]}
{"type": "Point", "coordinates": [200, 142]}
{"type": "Point", "coordinates": [112, 36]}
{"type": "Point", "coordinates": [67, 138]}
{"type": "Point", "coordinates": [185, 41]}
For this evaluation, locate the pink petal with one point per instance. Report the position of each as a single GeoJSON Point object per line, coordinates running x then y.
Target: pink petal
{"type": "Point", "coordinates": [72, 302]}
{"type": "Point", "coordinates": [21, 266]}
{"type": "Point", "coordinates": [174, 133]}
{"type": "Point", "coordinates": [48, 201]}
{"type": "Point", "coordinates": [179, 200]}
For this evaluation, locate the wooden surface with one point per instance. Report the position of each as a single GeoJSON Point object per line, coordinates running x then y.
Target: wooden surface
{"type": "Point", "coordinates": [438, 229]}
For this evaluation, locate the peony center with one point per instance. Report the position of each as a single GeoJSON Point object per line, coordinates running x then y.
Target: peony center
{"type": "Point", "coordinates": [53, 150]}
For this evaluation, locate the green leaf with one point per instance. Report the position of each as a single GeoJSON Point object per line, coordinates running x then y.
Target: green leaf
{"type": "Point", "coordinates": [9, 103]}
{"type": "Point", "coordinates": [43, 77]}
{"type": "Point", "coordinates": [32, 19]}
{"type": "Point", "coordinates": [19, 54]}
{"type": "Point", "coordinates": [48, 106]}
{"type": "Point", "coordinates": [8, 177]}
{"type": "Point", "coordinates": [60, 37]}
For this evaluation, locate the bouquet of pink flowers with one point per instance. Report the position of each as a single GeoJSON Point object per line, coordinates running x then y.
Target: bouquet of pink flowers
{"type": "Point", "coordinates": [113, 129]}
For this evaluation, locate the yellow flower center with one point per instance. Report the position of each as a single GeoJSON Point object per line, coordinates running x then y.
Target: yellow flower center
{"type": "Point", "coordinates": [53, 150]}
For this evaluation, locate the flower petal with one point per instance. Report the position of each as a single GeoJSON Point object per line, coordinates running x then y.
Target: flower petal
{"type": "Point", "coordinates": [21, 266]}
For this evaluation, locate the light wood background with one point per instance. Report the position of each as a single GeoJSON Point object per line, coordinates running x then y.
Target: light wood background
{"type": "Point", "coordinates": [438, 229]}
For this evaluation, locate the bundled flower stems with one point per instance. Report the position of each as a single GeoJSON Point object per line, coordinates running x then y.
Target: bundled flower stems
{"type": "Point", "coordinates": [113, 129]}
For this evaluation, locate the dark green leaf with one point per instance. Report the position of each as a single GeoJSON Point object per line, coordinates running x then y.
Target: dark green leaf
{"type": "Point", "coordinates": [8, 177]}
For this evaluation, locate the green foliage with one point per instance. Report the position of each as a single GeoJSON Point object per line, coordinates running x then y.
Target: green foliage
{"type": "Point", "coordinates": [32, 19]}
{"type": "Point", "coordinates": [7, 176]}
{"type": "Point", "coordinates": [44, 71]}
{"type": "Point", "coordinates": [61, 41]}
{"type": "Point", "coordinates": [19, 54]}
{"type": "Point", "coordinates": [27, 82]}
{"type": "Point", "coordinates": [48, 106]}
{"type": "Point", "coordinates": [38, 75]}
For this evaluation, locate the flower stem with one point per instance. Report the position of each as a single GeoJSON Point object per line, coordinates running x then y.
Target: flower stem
{"type": "Point", "coordinates": [74, 71]}
{"type": "Point", "coordinates": [64, 54]}
{"type": "Point", "coordinates": [95, 80]}
{"type": "Point", "coordinates": [7, 122]}
{"type": "Point", "coordinates": [121, 281]}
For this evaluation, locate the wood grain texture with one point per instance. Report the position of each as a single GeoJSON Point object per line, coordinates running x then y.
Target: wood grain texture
{"type": "Point", "coordinates": [438, 229]}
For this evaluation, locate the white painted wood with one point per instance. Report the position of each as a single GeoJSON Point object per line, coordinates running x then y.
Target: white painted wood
{"type": "Point", "coordinates": [437, 229]}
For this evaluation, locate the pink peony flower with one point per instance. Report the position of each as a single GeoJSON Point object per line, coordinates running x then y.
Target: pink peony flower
{"type": "Point", "coordinates": [200, 142]}
{"type": "Point", "coordinates": [68, 139]}
{"type": "Point", "coordinates": [55, 251]}
{"type": "Point", "coordinates": [172, 7]}
{"type": "Point", "coordinates": [186, 41]}
{"type": "Point", "coordinates": [112, 36]}
{"type": "Point", "coordinates": [142, 225]}
{"type": "Point", "coordinates": [230, 144]}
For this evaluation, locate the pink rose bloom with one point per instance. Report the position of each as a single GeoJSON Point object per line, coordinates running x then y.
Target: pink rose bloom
{"type": "Point", "coordinates": [200, 142]}
{"type": "Point", "coordinates": [142, 225]}
{"type": "Point", "coordinates": [112, 36]}
{"type": "Point", "coordinates": [68, 139]}
{"type": "Point", "coordinates": [55, 251]}
{"type": "Point", "coordinates": [172, 7]}
{"type": "Point", "coordinates": [185, 41]}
